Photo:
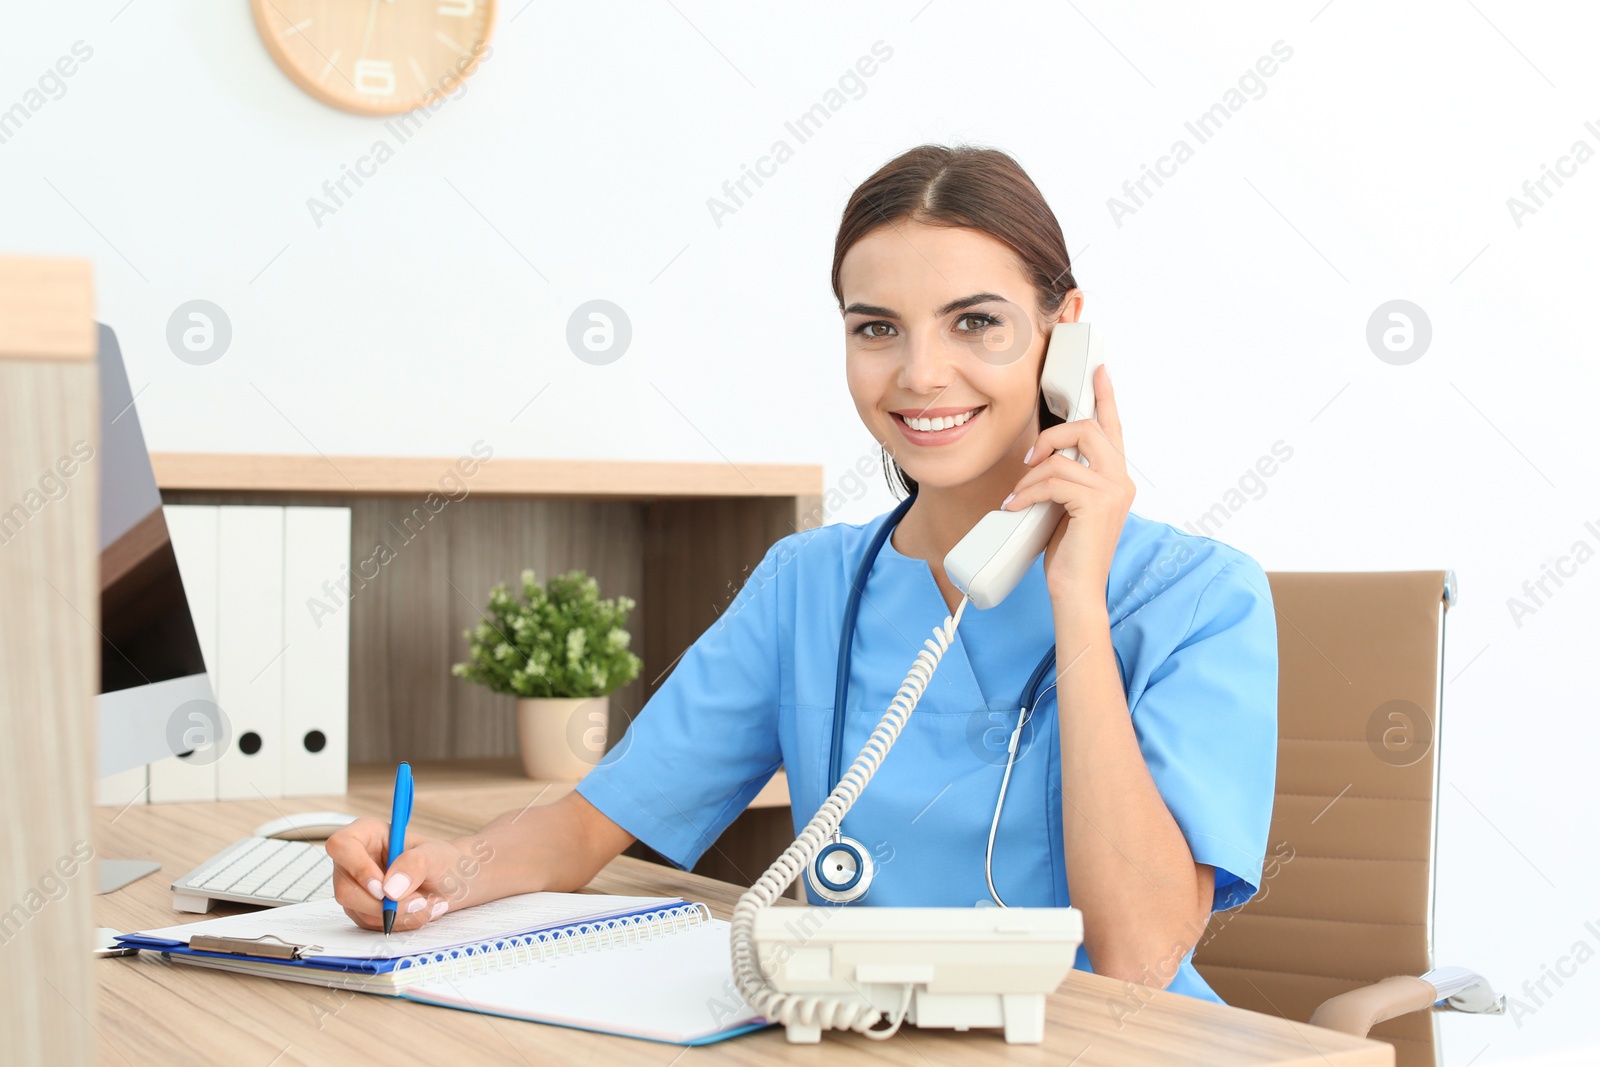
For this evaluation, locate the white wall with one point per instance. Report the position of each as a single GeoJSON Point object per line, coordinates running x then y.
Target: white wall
{"type": "Point", "coordinates": [1376, 166]}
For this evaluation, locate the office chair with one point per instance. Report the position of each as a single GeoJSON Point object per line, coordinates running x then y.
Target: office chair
{"type": "Point", "coordinates": [1340, 933]}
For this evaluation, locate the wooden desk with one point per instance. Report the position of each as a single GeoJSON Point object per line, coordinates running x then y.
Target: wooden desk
{"type": "Point", "coordinates": [151, 1011]}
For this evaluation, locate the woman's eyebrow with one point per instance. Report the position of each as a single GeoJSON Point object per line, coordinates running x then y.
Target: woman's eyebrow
{"type": "Point", "coordinates": [968, 301]}
{"type": "Point", "coordinates": [954, 305]}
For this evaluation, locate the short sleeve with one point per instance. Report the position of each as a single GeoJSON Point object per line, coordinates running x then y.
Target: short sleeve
{"type": "Point", "coordinates": [707, 740]}
{"type": "Point", "coordinates": [1207, 723]}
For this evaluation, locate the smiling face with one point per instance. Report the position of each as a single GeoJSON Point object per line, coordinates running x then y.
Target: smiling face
{"type": "Point", "coordinates": [943, 328]}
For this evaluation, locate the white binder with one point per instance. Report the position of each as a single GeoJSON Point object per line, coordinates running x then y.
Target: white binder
{"type": "Point", "coordinates": [316, 664]}
{"type": "Point", "coordinates": [248, 676]}
{"type": "Point", "coordinates": [194, 533]}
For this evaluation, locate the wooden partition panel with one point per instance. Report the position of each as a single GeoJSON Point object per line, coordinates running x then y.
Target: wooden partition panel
{"type": "Point", "coordinates": [49, 658]}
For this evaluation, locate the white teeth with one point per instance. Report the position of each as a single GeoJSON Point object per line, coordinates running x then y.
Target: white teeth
{"type": "Point", "coordinates": [943, 423]}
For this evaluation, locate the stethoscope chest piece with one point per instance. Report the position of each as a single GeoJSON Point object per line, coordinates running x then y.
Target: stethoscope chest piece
{"type": "Point", "coordinates": [842, 871]}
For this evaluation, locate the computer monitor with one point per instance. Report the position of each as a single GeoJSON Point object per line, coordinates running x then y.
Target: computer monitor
{"type": "Point", "coordinates": [155, 695]}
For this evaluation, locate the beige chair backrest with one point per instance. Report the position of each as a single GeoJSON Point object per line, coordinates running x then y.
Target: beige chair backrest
{"type": "Point", "coordinates": [1346, 898]}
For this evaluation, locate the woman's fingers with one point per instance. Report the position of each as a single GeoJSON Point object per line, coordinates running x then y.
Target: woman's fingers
{"type": "Point", "coordinates": [1099, 440]}
{"type": "Point", "coordinates": [420, 868]}
{"type": "Point", "coordinates": [1040, 483]}
{"type": "Point", "coordinates": [358, 852]}
{"type": "Point", "coordinates": [416, 909]}
{"type": "Point", "coordinates": [1105, 406]}
{"type": "Point", "coordinates": [420, 882]}
{"type": "Point", "coordinates": [372, 918]}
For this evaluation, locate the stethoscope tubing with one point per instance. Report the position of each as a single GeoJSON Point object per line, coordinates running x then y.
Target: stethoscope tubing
{"type": "Point", "coordinates": [844, 892]}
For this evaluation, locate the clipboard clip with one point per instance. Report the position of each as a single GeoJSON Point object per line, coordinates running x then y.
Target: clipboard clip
{"type": "Point", "coordinates": [253, 946]}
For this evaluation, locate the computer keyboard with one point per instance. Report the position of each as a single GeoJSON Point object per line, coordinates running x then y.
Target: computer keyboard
{"type": "Point", "coordinates": [257, 870]}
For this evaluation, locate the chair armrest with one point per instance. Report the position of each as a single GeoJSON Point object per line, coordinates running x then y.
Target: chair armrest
{"type": "Point", "coordinates": [1360, 1010]}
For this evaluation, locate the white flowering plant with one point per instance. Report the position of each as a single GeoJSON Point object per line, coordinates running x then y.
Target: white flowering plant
{"type": "Point", "coordinates": [563, 641]}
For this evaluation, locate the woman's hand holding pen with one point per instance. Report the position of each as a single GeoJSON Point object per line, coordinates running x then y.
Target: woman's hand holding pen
{"type": "Point", "coordinates": [432, 876]}
{"type": "Point", "coordinates": [558, 846]}
{"type": "Point", "coordinates": [1097, 497]}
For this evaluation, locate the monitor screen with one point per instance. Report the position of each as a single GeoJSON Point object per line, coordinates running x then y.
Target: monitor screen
{"type": "Point", "coordinates": [150, 659]}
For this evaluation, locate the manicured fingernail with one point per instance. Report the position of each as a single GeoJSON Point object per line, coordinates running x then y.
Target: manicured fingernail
{"type": "Point", "coordinates": [1028, 457]}
{"type": "Point", "coordinates": [1007, 500]}
{"type": "Point", "coordinates": [417, 904]}
{"type": "Point", "coordinates": [396, 886]}
{"type": "Point", "coordinates": [439, 908]}
{"type": "Point", "coordinates": [375, 887]}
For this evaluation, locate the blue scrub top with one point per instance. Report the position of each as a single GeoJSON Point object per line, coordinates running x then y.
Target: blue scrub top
{"type": "Point", "coordinates": [1193, 627]}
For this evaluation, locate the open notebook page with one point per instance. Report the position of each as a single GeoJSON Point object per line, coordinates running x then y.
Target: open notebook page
{"type": "Point", "coordinates": [323, 923]}
{"type": "Point", "coordinates": [677, 987]}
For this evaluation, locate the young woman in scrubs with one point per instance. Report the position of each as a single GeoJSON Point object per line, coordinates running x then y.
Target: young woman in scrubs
{"type": "Point", "coordinates": [1143, 785]}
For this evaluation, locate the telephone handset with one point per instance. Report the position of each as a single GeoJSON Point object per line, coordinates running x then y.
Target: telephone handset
{"type": "Point", "coordinates": [991, 559]}
{"type": "Point", "coordinates": [881, 964]}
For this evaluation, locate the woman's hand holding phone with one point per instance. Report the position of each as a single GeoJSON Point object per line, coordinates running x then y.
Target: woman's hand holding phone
{"type": "Point", "coordinates": [1096, 497]}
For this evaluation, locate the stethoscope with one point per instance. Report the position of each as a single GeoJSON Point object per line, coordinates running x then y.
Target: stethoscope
{"type": "Point", "coordinates": [843, 869]}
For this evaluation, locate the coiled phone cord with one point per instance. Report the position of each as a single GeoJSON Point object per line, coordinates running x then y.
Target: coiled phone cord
{"type": "Point", "coordinates": [830, 1012]}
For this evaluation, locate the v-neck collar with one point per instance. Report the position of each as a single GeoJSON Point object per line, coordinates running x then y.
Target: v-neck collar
{"type": "Point", "coordinates": [956, 664]}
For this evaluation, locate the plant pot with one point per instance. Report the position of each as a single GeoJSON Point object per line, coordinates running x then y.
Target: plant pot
{"type": "Point", "coordinates": [560, 738]}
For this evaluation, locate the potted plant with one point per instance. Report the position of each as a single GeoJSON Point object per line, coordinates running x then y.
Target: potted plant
{"type": "Point", "coordinates": [560, 651]}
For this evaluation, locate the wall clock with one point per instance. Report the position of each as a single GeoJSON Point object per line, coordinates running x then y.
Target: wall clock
{"type": "Point", "coordinates": [375, 57]}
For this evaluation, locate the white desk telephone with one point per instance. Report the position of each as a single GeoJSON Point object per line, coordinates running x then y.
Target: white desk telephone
{"type": "Point", "coordinates": [850, 968]}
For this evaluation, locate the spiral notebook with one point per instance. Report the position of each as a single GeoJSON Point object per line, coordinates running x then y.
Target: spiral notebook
{"type": "Point", "coordinates": [646, 967]}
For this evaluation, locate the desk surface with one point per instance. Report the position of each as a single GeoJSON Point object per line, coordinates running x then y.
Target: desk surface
{"type": "Point", "coordinates": [152, 1011]}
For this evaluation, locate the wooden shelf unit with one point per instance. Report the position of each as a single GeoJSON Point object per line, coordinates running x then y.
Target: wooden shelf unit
{"type": "Point", "coordinates": [428, 540]}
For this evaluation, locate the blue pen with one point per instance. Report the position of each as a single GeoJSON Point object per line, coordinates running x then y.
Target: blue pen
{"type": "Point", "coordinates": [399, 815]}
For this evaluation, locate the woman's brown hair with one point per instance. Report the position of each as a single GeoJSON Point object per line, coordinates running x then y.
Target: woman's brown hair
{"type": "Point", "coordinates": [982, 189]}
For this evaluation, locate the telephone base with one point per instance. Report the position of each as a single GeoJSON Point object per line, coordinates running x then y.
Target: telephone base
{"type": "Point", "coordinates": [801, 1034]}
{"type": "Point", "coordinates": [967, 968]}
{"type": "Point", "coordinates": [1021, 1015]}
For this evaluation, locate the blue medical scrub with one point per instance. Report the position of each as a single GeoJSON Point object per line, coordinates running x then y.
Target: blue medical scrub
{"type": "Point", "coordinates": [1193, 627]}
